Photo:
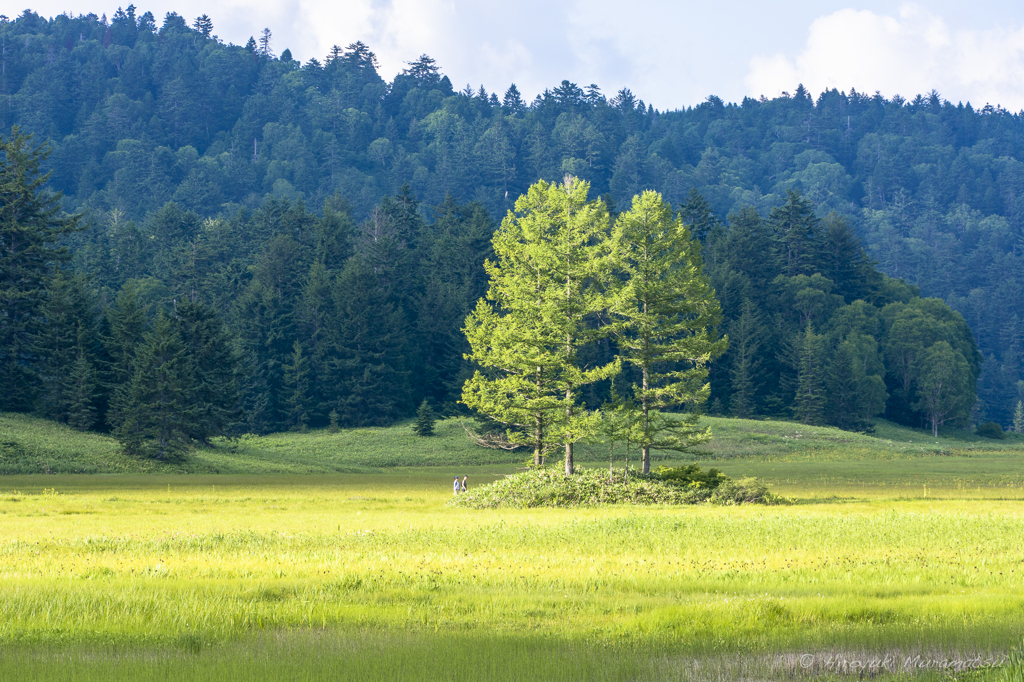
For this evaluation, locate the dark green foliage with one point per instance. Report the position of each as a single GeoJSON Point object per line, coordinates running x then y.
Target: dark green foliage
{"type": "Point", "coordinates": [809, 403]}
{"type": "Point", "coordinates": [298, 168]}
{"type": "Point", "coordinates": [83, 388]}
{"type": "Point", "coordinates": [296, 384]}
{"type": "Point", "coordinates": [691, 475]}
{"type": "Point", "coordinates": [212, 370]}
{"type": "Point", "coordinates": [991, 430]}
{"type": "Point", "coordinates": [425, 418]}
{"type": "Point", "coordinates": [31, 225]}
{"type": "Point", "coordinates": [153, 408]}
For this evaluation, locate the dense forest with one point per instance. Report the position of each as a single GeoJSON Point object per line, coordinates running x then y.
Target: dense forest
{"type": "Point", "coordinates": [326, 228]}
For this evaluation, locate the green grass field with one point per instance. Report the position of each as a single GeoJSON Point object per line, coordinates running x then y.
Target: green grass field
{"type": "Point", "coordinates": [334, 556]}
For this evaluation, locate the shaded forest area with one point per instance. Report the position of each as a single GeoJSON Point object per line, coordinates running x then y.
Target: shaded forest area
{"type": "Point", "coordinates": [251, 185]}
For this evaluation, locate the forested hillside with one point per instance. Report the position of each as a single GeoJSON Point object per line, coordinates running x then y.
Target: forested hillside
{"type": "Point", "coordinates": [335, 223]}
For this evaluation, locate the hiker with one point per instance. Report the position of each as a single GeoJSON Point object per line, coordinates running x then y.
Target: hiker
{"type": "Point", "coordinates": [455, 487]}
{"type": "Point", "coordinates": [464, 483]}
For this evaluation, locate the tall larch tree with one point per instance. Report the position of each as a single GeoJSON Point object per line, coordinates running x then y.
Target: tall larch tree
{"type": "Point", "coordinates": [667, 317]}
{"type": "Point", "coordinates": [551, 280]}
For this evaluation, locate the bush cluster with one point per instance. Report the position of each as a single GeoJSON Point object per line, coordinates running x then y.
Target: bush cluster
{"type": "Point", "coordinates": [550, 487]}
{"type": "Point", "coordinates": [991, 430]}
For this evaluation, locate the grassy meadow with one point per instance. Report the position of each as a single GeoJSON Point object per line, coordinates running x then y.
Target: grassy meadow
{"type": "Point", "coordinates": [318, 555]}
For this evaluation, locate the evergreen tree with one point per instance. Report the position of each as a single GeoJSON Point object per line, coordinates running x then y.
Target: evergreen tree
{"type": "Point", "coordinates": [68, 314]}
{"type": "Point", "coordinates": [83, 388]}
{"type": "Point", "coordinates": [745, 339]}
{"type": "Point", "coordinates": [809, 403]}
{"type": "Point", "coordinates": [212, 370]}
{"type": "Point", "coordinates": [296, 381]}
{"type": "Point", "coordinates": [668, 315]}
{"type": "Point", "coordinates": [796, 228]}
{"type": "Point", "coordinates": [368, 363]}
{"type": "Point", "coordinates": [154, 407]}
{"type": "Point", "coordinates": [1018, 418]}
{"type": "Point", "coordinates": [425, 418]}
{"type": "Point", "coordinates": [31, 226]}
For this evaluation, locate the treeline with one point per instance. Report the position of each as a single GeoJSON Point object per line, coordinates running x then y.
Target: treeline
{"type": "Point", "coordinates": [223, 173]}
{"type": "Point", "coordinates": [817, 333]}
{"type": "Point", "coordinates": [180, 329]}
{"type": "Point", "coordinates": [141, 112]}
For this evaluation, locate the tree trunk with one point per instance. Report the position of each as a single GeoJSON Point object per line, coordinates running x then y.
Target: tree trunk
{"type": "Point", "coordinates": [538, 441]}
{"type": "Point", "coordinates": [645, 458]}
{"type": "Point", "coordinates": [568, 444]}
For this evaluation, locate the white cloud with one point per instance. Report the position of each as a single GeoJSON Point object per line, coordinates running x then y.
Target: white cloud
{"type": "Point", "coordinates": [906, 54]}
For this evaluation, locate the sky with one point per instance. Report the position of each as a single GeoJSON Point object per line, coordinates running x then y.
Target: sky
{"type": "Point", "coordinates": [670, 54]}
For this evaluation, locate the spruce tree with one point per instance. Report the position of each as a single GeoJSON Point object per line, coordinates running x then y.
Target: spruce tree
{"type": "Point", "coordinates": [68, 315]}
{"type": "Point", "coordinates": [425, 418]}
{"type": "Point", "coordinates": [296, 382]}
{"type": "Point", "coordinates": [368, 363]}
{"type": "Point", "coordinates": [83, 388]}
{"type": "Point", "coordinates": [809, 403]}
{"type": "Point", "coordinates": [745, 340]}
{"type": "Point", "coordinates": [31, 226]}
{"type": "Point", "coordinates": [155, 410]}
{"type": "Point", "coordinates": [668, 313]}
{"type": "Point", "coordinates": [212, 370]}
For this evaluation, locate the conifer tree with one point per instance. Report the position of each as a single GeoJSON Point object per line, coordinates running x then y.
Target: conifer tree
{"type": "Point", "coordinates": [809, 403]}
{"type": "Point", "coordinates": [68, 314]}
{"type": "Point", "coordinates": [1018, 418]}
{"type": "Point", "coordinates": [668, 313]}
{"type": "Point", "coordinates": [212, 370]}
{"type": "Point", "coordinates": [31, 225]}
{"type": "Point", "coordinates": [296, 381]}
{"type": "Point", "coordinates": [550, 280]}
{"type": "Point", "coordinates": [425, 418]}
{"type": "Point", "coordinates": [745, 339]}
{"type": "Point", "coordinates": [154, 408]}
{"type": "Point", "coordinates": [83, 388]}
{"type": "Point", "coordinates": [368, 362]}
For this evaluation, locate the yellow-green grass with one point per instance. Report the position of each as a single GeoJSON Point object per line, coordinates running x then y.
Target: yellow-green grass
{"type": "Point", "coordinates": [892, 454]}
{"type": "Point", "coordinates": [158, 568]}
{"type": "Point", "coordinates": [282, 568]}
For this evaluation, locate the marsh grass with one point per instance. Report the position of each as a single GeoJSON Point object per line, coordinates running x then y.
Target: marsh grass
{"type": "Point", "coordinates": [903, 547]}
{"type": "Point", "coordinates": [321, 655]}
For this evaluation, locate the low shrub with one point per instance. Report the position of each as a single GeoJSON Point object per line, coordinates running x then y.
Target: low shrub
{"type": "Point", "coordinates": [550, 487]}
{"type": "Point", "coordinates": [691, 475]}
{"type": "Point", "coordinates": [991, 430]}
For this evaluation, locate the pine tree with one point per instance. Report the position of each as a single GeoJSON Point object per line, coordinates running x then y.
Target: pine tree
{"type": "Point", "coordinates": [127, 322]}
{"type": "Point", "coordinates": [68, 312]}
{"type": "Point", "coordinates": [551, 278]}
{"type": "Point", "coordinates": [842, 405]}
{"type": "Point", "coordinates": [425, 418]}
{"type": "Point", "coordinates": [204, 25]}
{"type": "Point", "coordinates": [796, 229]}
{"type": "Point", "coordinates": [668, 314]}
